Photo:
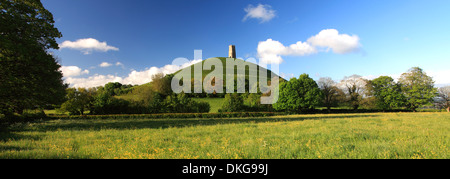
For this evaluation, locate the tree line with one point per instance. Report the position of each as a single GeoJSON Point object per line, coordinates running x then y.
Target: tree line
{"type": "Point", "coordinates": [413, 90]}
{"type": "Point", "coordinates": [155, 97]}
{"type": "Point", "coordinates": [30, 78]}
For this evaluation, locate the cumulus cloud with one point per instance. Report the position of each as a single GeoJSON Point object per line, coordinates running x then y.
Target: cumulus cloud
{"type": "Point", "coordinates": [142, 77]}
{"type": "Point", "coordinates": [134, 78]}
{"type": "Point", "coordinates": [87, 46]}
{"type": "Point", "coordinates": [105, 64]}
{"type": "Point", "coordinates": [92, 81]}
{"type": "Point", "coordinates": [339, 43]}
{"type": "Point", "coordinates": [264, 13]}
{"type": "Point", "coordinates": [71, 71]}
{"type": "Point", "coordinates": [271, 51]}
{"type": "Point", "coordinates": [441, 78]}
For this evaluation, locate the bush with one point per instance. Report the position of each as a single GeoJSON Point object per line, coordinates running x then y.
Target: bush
{"type": "Point", "coordinates": [7, 120]}
{"type": "Point", "coordinates": [181, 103]}
{"type": "Point", "coordinates": [232, 103]}
{"type": "Point", "coordinates": [106, 104]}
{"type": "Point", "coordinates": [171, 115]}
{"type": "Point", "coordinates": [298, 95]}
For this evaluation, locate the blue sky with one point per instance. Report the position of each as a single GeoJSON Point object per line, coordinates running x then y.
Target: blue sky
{"type": "Point", "coordinates": [141, 37]}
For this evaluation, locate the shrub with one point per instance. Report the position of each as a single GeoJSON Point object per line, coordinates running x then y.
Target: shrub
{"type": "Point", "coordinates": [181, 103]}
{"type": "Point", "coordinates": [232, 103]}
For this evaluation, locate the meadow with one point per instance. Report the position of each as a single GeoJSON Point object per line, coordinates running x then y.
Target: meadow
{"type": "Point", "coordinates": [322, 136]}
{"type": "Point", "coordinates": [215, 103]}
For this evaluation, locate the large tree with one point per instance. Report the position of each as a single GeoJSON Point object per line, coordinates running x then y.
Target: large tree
{"type": "Point", "coordinates": [354, 87]}
{"type": "Point", "coordinates": [298, 95]}
{"type": "Point", "coordinates": [330, 91]}
{"type": "Point", "coordinates": [444, 95]}
{"type": "Point", "coordinates": [387, 92]}
{"type": "Point", "coordinates": [29, 74]}
{"type": "Point", "coordinates": [417, 87]}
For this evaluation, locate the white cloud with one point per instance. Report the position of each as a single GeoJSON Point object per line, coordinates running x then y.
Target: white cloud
{"type": "Point", "coordinates": [105, 64]}
{"type": "Point", "coordinates": [87, 46]}
{"type": "Point", "coordinates": [339, 43]}
{"type": "Point", "coordinates": [71, 71]}
{"type": "Point", "coordinates": [92, 81]}
{"type": "Point", "coordinates": [262, 12]}
{"type": "Point", "coordinates": [134, 78]}
{"type": "Point", "coordinates": [119, 64]}
{"type": "Point", "coordinates": [270, 51]}
{"type": "Point", "coordinates": [441, 78]}
{"type": "Point", "coordinates": [142, 77]}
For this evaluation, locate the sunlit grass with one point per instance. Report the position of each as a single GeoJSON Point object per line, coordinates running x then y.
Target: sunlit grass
{"type": "Point", "coordinates": [378, 135]}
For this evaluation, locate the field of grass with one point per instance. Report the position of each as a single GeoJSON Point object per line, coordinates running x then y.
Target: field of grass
{"type": "Point", "coordinates": [377, 135]}
{"type": "Point", "coordinates": [215, 103]}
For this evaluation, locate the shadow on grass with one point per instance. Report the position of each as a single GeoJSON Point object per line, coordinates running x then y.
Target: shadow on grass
{"type": "Point", "coordinates": [6, 137]}
{"type": "Point", "coordinates": [125, 124]}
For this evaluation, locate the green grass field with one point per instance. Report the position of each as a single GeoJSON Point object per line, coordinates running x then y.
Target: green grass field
{"type": "Point", "coordinates": [377, 135]}
{"type": "Point", "coordinates": [215, 103]}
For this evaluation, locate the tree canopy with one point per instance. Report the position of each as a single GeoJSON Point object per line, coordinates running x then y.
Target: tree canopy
{"type": "Point", "coordinates": [417, 87]}
{"type": "Point", "coordinates": [387, 92]}
{"type": "Point", "coordinates": [298, 95]}
{"type": "Point", "coordinates": [29, 75]}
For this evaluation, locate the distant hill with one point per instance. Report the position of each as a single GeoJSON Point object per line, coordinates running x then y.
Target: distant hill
{"type": "Point", "coordinates": [224, 62]}
{"type": "Point", "coordinates": [135, 95]}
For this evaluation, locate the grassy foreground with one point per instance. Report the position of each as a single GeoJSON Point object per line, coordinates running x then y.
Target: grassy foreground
{"type": "Point", "coordinates": [378, 135]}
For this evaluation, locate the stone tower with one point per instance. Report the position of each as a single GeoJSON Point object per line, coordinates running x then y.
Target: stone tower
{"type": "Point", "coordinates": [232, 52]}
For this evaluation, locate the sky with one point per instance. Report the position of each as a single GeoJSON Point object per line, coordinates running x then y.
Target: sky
{"type": "Point", "coordinates": [129, 41]}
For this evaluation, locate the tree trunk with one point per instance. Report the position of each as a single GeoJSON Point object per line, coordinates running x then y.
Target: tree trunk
{"type": "Point", "coordinates": [448, 109]}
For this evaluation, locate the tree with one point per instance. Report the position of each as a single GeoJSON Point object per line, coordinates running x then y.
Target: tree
{"type": "Point", "coordinates": [298, 95]}
{"type": "Point", "coordinates": [330, 91]}
{"type": "Point", "coordinates": [78, 100]}
{"type": "Point", "coordinates": [417, 87]}
{"type": "Point", "coordinates": [181, 103]}
{"type": "Point", "coordinates": [232, 103]}
{"type": "Point", "coordinates": [104, 103]}
{"type": "Point", "coordinates": [113, 88]}
{"type": "Point", "coordinates": [162, 84]}
{"type": "Point", "coordinates": [444, 95]}
{"type": "Point", "coordinates": [29, 74]}
{"type": "Point", "coordinates": [387, 93]}
{"type": "Point", "coordinates": [354, 86]}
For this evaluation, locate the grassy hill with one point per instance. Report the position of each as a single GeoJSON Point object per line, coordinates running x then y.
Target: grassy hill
{"type": "Point", "coordinates": [223, 60]}
{"type": "Point", "coordinates": [215, 103]}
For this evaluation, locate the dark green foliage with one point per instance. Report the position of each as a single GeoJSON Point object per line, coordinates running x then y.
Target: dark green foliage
{"type": "Point", "coordinates": [172, 115]}
{"type": "Point", "coordinates": [116, 88]}
{"type": "Point", "coordinates": [298, 95]}
{"type": "Point", "coordinates": [417, 87]}
{"type": "Point", "coordinates": [162, 84]}
{"type": "Point", "coordinates": [387, 93]}
{"type": "Point", "coordinates": [105, 104]}
{"type": "Point", "coordinates": [181, 103]}
{"type": "Point", "coordinates": [233, 103]}
{"type": "Point", "coordinates": [78, 100]}
{"type": "Point", "coordinates": [29, 75]}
